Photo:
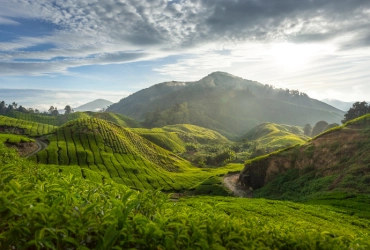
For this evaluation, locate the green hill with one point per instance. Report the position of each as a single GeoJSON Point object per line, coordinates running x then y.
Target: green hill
{"type": "Point", "coordinates": [225, 103]}
{"type": "Point", "coordinates": [124, 156]}
{"type": "Point", "coordinates": [59, 120]}
{"type": "Point", "coordinates": [270, 136]}
{"type": "Point", "coordinates": [175, 137]}
{"type": "Point", "coordinates": [334, 161]}
{"type": "Point", "coordinates": [51, 207]}
{"type": "Point", "coordinates": [23, 127]}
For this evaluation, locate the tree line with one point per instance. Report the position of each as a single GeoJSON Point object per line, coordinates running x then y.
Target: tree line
{"type": "Point", "coordinates": [7, 108]}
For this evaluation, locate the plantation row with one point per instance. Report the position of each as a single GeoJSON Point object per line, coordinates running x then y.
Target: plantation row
{"type": "Point", "coordinates": [16, 126]}
{"type": "Point", "coordinates": [59, 120]}
{"type": "Point", "coordinates": [124, 156]}
{"type": "Point", "coordinates": [47, 119]}
{"type": "Point", "coordinates": [64, 211]}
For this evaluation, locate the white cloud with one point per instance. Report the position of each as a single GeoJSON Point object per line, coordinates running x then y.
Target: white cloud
{"type": "Point", "coordinates": [41, 99]}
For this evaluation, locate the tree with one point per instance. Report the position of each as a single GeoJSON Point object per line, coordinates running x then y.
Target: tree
{"type": "Point", "coordinates": [307, 130]}
{"type": "Point", "coordinates": [358, 109]}
{"type": "Point", "coordinates": [319, 128]}
{"type": "Point", "coordinates": [51, 109]}
{"type": "Point", "coordinates": [68, 110]}
{"type": "Point", "coordinates": [15, 105]}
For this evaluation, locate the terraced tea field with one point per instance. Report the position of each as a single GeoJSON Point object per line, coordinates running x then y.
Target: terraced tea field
{"type": "Point", "coordinates": [59, 120]}
{"type": "Point", "coordinates": [17, 126]}
{"type": "Point", "coordinates": [126, 157]}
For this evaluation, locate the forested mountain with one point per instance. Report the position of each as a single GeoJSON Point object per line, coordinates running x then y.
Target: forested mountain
{"type": "Point", "coordinates": [225, 103]}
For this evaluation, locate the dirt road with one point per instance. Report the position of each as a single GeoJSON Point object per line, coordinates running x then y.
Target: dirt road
{"type": "Point", "coordinates": [41, 145]}
{"type": "Point", "coordinates": [231, 182]}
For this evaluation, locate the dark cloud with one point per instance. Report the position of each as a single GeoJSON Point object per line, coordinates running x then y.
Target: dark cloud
{"type": "Point", "coordinates": [104, 31]}
{"type": "Point", "coordinates": [304, 20]}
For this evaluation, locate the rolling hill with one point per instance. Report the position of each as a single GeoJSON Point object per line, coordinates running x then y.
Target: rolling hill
{"type": "Point", "coordinates": [58, 207]}
{"type": "Point", "coordinates": [23, 127]}
{"type": "Point", "coordinates": [336, 160]}
{"type": "Point", "coordinates": [59, 120]}
{"type": "Point", "coordinates": [175, 137]}
{"type": "Point", "coordinates": [225, 103]}
{"type": "Point", "coordinates": [270, 137]}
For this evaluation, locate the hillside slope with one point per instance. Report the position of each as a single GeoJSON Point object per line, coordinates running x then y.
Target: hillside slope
{"type": "Point", "coordinates": [336, 160]}
{"type": "Point", "coordinates": [22, 127]}
{"type": "Point", "coordinates": [270, 137]}
{"type": "Point", "coordinates": [225, 103]}
{"type": "Point", "coordinates": [123, 155]}
{"type": "Point", "coordinates": [55, 207]}
{"type": "Point", "coordinates": [175, 137]}
{"type": "Point", "coordinates": [59, 120]}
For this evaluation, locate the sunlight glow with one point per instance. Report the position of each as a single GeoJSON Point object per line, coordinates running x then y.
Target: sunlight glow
{"type": "Point", "coordinates": [292, 56]}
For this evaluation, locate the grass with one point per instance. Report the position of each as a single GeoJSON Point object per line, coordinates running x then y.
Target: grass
{"type": "Point", "coordinates": [124, 156]}
{"type": "Point", "coordinates": [59, 120]}
{"type": "Point", "coordinates": [56, 207]}
{"type": "Point", "coordinates": [22, 127]}
{"type": "Point", "coordinates": [175, 137]}
{"type": "Point", "coordinates": [14, 139]}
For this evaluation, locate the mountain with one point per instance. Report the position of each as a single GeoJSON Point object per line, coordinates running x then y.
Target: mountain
{"type": "Point", "coordinates": [96, 105]}
{"type": "Point", "coordinates": [336, 160]}
{"type": "Point", "coordinates": [345, 106]}
{"type": "Point", "coordinates": [225, 103]}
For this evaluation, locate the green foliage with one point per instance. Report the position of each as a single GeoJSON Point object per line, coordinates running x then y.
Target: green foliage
{"type": "Point", "coordinates": [358, 109]}
{"type": "Point", "coordinates": [16, 126]}
{"type": "Point", "coordinates": [225, 103]}
{"type": "Point", "coordinates": [211, 186]}
{"type": "Point", "coordinates": [58, 120]}
{"type": "Point", "coordinates": [45, 208]}
{"type": "Point", "coordinates": [124, 156]}
{"type": "Point", "coordinates": [14, 139]}
{"type": "Point", "coordinates": [269, 137]}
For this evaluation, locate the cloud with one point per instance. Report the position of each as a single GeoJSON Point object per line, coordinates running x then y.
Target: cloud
{"type": "Point", "coordinates": [40, 99]}
{"type": "Point", "coordinates": [121, 31]}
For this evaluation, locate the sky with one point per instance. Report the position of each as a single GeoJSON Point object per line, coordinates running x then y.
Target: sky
{"type": "Point", "coordinates": [59, 52]}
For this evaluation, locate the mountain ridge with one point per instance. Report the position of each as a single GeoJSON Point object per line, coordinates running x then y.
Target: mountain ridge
{"type": "Point", "coordinates": [219, 101]}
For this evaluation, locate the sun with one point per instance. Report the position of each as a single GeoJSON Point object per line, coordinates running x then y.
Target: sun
{"type": "Point", "coordinates": [292, 56]}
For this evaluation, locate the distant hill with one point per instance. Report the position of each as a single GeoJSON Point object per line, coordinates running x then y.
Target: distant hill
{"type": "Point", "coordinates": [96, 105]}
{"type": "Point", "coordinates": [336, 160]}
{"type": "Point", "coordinates": [345, 106]}
{"type": "Point", "coordinates": [225, 103]}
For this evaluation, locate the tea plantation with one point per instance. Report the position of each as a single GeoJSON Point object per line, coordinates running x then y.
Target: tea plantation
{"type": "Point", "coordinates": [43, 208]}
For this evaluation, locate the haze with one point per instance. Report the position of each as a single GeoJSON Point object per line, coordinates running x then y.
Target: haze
{"type": "Point", "coordinates": [77, 51]}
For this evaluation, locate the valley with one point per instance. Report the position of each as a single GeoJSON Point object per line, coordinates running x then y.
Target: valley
{"type": "Point", "coordinates": [104, 180]}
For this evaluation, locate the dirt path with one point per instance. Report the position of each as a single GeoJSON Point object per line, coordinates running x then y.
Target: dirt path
{"type": "Point", "coordinates": [231, 182]}
{"type": "Point", "coordinates": [41, 145]}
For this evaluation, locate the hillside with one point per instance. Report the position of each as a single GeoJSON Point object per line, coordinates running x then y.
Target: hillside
{"type": "Point", "coordinates": [22, 127]}
{"type": "Point", "coordinates": [175, 137]}
{"type": "Point", "coordinates": [270, 137]}
{"type": "Point", "coordinates": [225, 103]}
{"type": "Point", "coordinates": [95, 105]}
{"type": "Point", "coordinates": [59, 120]}
{"type": "Point", "coordinates": [345, 106]}
{"type": "Point", "coordinates": [334, 161]}
{"type": "Point", "coordinates": [123, 156]}
{"type": "Point", "coordinates": [90, 214]}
